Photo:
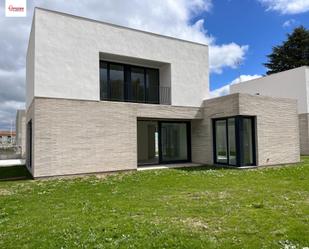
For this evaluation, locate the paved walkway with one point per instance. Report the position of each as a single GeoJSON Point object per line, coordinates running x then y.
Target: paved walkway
{"type": "Point", "coordinates": [168, 166]}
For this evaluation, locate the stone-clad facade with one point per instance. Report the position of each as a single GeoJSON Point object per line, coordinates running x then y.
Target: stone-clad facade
{"type": "Point", "coordinates": [77, 137]}
{"type": "Point", "coordinates": [303, 120]}
{"type": "Point", "coordinates": [276, 127]}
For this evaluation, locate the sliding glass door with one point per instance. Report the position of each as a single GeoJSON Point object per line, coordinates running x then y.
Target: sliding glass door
{"type": "Point", "coordinates": [163, 142]}
{"type": "Point", "coordinates": [123, 82]}
{"type": "Point", "coordinates": [147, 142]}
{"type": "Point", "coordinates": [234, 141]}
{"type": "Point", "coordinates": [174, 142]}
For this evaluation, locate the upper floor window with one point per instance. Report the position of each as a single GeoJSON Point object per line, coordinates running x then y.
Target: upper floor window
{"type": "Point", "coordinates": [122, 82]}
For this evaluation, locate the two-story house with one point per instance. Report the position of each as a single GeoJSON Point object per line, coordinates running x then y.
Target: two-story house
{"type": "Point", "coordinates": [144, 98]}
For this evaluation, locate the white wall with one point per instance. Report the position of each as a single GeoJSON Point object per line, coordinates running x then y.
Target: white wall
{"type": "Point", "coordinates": [67, 58]}
{"type": "Point", "coordinates": [288, 84]}
{"type": "Point", "coordinates": [30, 66]}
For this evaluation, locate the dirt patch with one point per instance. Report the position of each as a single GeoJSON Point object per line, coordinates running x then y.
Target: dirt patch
{"type": "Point", "coordinates": [4, 192]}
{"type": "Point", "coordinates": [195, 223]}
{"type": "Point", "coordinates": [209, 194]}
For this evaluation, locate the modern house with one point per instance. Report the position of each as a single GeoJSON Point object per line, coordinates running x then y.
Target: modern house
{"type": "Point", "coordinates": [292, 84]}
{"type": "Point", "coordinates": [145, 99]}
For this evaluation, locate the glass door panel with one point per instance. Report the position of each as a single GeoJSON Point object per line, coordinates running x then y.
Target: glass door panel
{"type": "Point", "coordinates": [137, 84]}
{"type": "Point", "coordinates": [103, 81]}
{"type": "Point", "coordinates": [221, 141]}
{"type": "Point", "coordinates": [174, 144]}
{"type": "Point", "coordinates": [147, 142]}
{"type": "Point", "coordinates": [232, 141]}
{"type": "Point", "coordinates": [247, 142]}
{"type": "Point", "coordinates": [152, 87]}
{"type": "Point", "coordinates": [116, 80]}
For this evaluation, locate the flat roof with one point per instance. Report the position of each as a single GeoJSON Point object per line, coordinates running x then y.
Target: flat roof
{"type": "Point", "coordinates": [119, 26]}
{"type": "Point", "coordinates": [270, 75]}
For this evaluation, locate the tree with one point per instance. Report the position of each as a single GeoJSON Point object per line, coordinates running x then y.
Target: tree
{"type": "Point", "coordinates": [294, 52]}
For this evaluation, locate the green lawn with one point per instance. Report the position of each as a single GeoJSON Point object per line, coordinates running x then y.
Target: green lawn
{"type": "Point", "coordinates": [193, 208]}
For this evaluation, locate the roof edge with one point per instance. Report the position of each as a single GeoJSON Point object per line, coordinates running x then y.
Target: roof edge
{"type": "Point", "coordinates": [269, 76]}
{"type": "Point", "coordinates": [119, 26]}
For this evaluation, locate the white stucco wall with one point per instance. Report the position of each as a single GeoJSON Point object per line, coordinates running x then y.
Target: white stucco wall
{"type": "Point", "coordinates": [30, 66]}
{"type": "Point", "coordinates": [288, 84]}
{"type": "Point", "coordinates": [67, 58]}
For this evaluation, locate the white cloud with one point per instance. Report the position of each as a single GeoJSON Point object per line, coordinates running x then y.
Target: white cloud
{"type": "Point", "coordinates": [288, 23]}
{"type": "Point", "coordinates": [227, 55]}
{"type": "Point", "coordinates": [287, 6]}
{"type": "Point", "coordinates": [225, 90]}
{"type": "Point", "coordinates": [167, 17]}
{"type": "Point", "coordinates": [222, 91]}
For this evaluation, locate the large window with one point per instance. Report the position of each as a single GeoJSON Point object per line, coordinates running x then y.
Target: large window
{"type": "Point", "coordinates": [116, 80]}
{"type": "Point", "coordinates": [234, 141]}
{"type": "Point", "coordinates": [163, 142]}
{"type": "Point", "coordinates": [121, 82]}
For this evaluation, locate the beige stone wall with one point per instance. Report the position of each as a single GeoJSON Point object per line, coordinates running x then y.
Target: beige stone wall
{"type": "Point", "coordinates": [276, 127]}
{"type": "Point", "coordinates": [304, 133]}
{"type": "Point", "coordinates": [277, 138]}
{"type": "Point", "coordinates": [74, 137]}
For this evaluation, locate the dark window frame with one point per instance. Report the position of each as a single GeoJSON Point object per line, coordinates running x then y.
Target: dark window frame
{"type": "Point", "coordinates": [238, 137]}
{"type": "Point", "coordinates": [29, 144]}
{"type": "Point", "coordinates": [127, 84]}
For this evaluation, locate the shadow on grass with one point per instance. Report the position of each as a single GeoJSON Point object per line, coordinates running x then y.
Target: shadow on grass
{"type": "Point", "coordinates": [205, 167]}
{"type": "Point", "coordinates": [13, 173]}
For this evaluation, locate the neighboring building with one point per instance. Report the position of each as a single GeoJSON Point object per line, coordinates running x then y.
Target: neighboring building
{"type": "Point", "coordinates": [292, 84]}
{"type": "Point", "coordinates": [21, 131]}
{"type": "Point", "coordinates": [7, 138]}
{"type": "Point", "coordinates": [143, 98]}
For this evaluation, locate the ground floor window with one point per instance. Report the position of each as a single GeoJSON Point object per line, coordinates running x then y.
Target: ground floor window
{"type": "Point", "coordinates": [234, 141]}
{"type": "Point", "coordinates": [163, 142]}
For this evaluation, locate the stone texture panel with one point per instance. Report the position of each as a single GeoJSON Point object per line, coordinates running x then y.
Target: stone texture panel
{"type": "Point", "coordinates": [277, 138]}
{"type": "Point", "coordinates": [276, 127]}
{"type": "Point", "coordinates": [74, 137]}
{"type": "Point", "coordinates": [304, 133]}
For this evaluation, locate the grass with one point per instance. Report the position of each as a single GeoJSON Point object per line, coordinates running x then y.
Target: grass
{"type": "Point", "coordinates": [176, 208]}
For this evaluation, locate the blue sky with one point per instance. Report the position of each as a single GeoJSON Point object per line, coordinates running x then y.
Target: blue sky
{"type": "Point", "coordinates": [235, 30]}
{"type": "Point", "coordinates": [248, 22]}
